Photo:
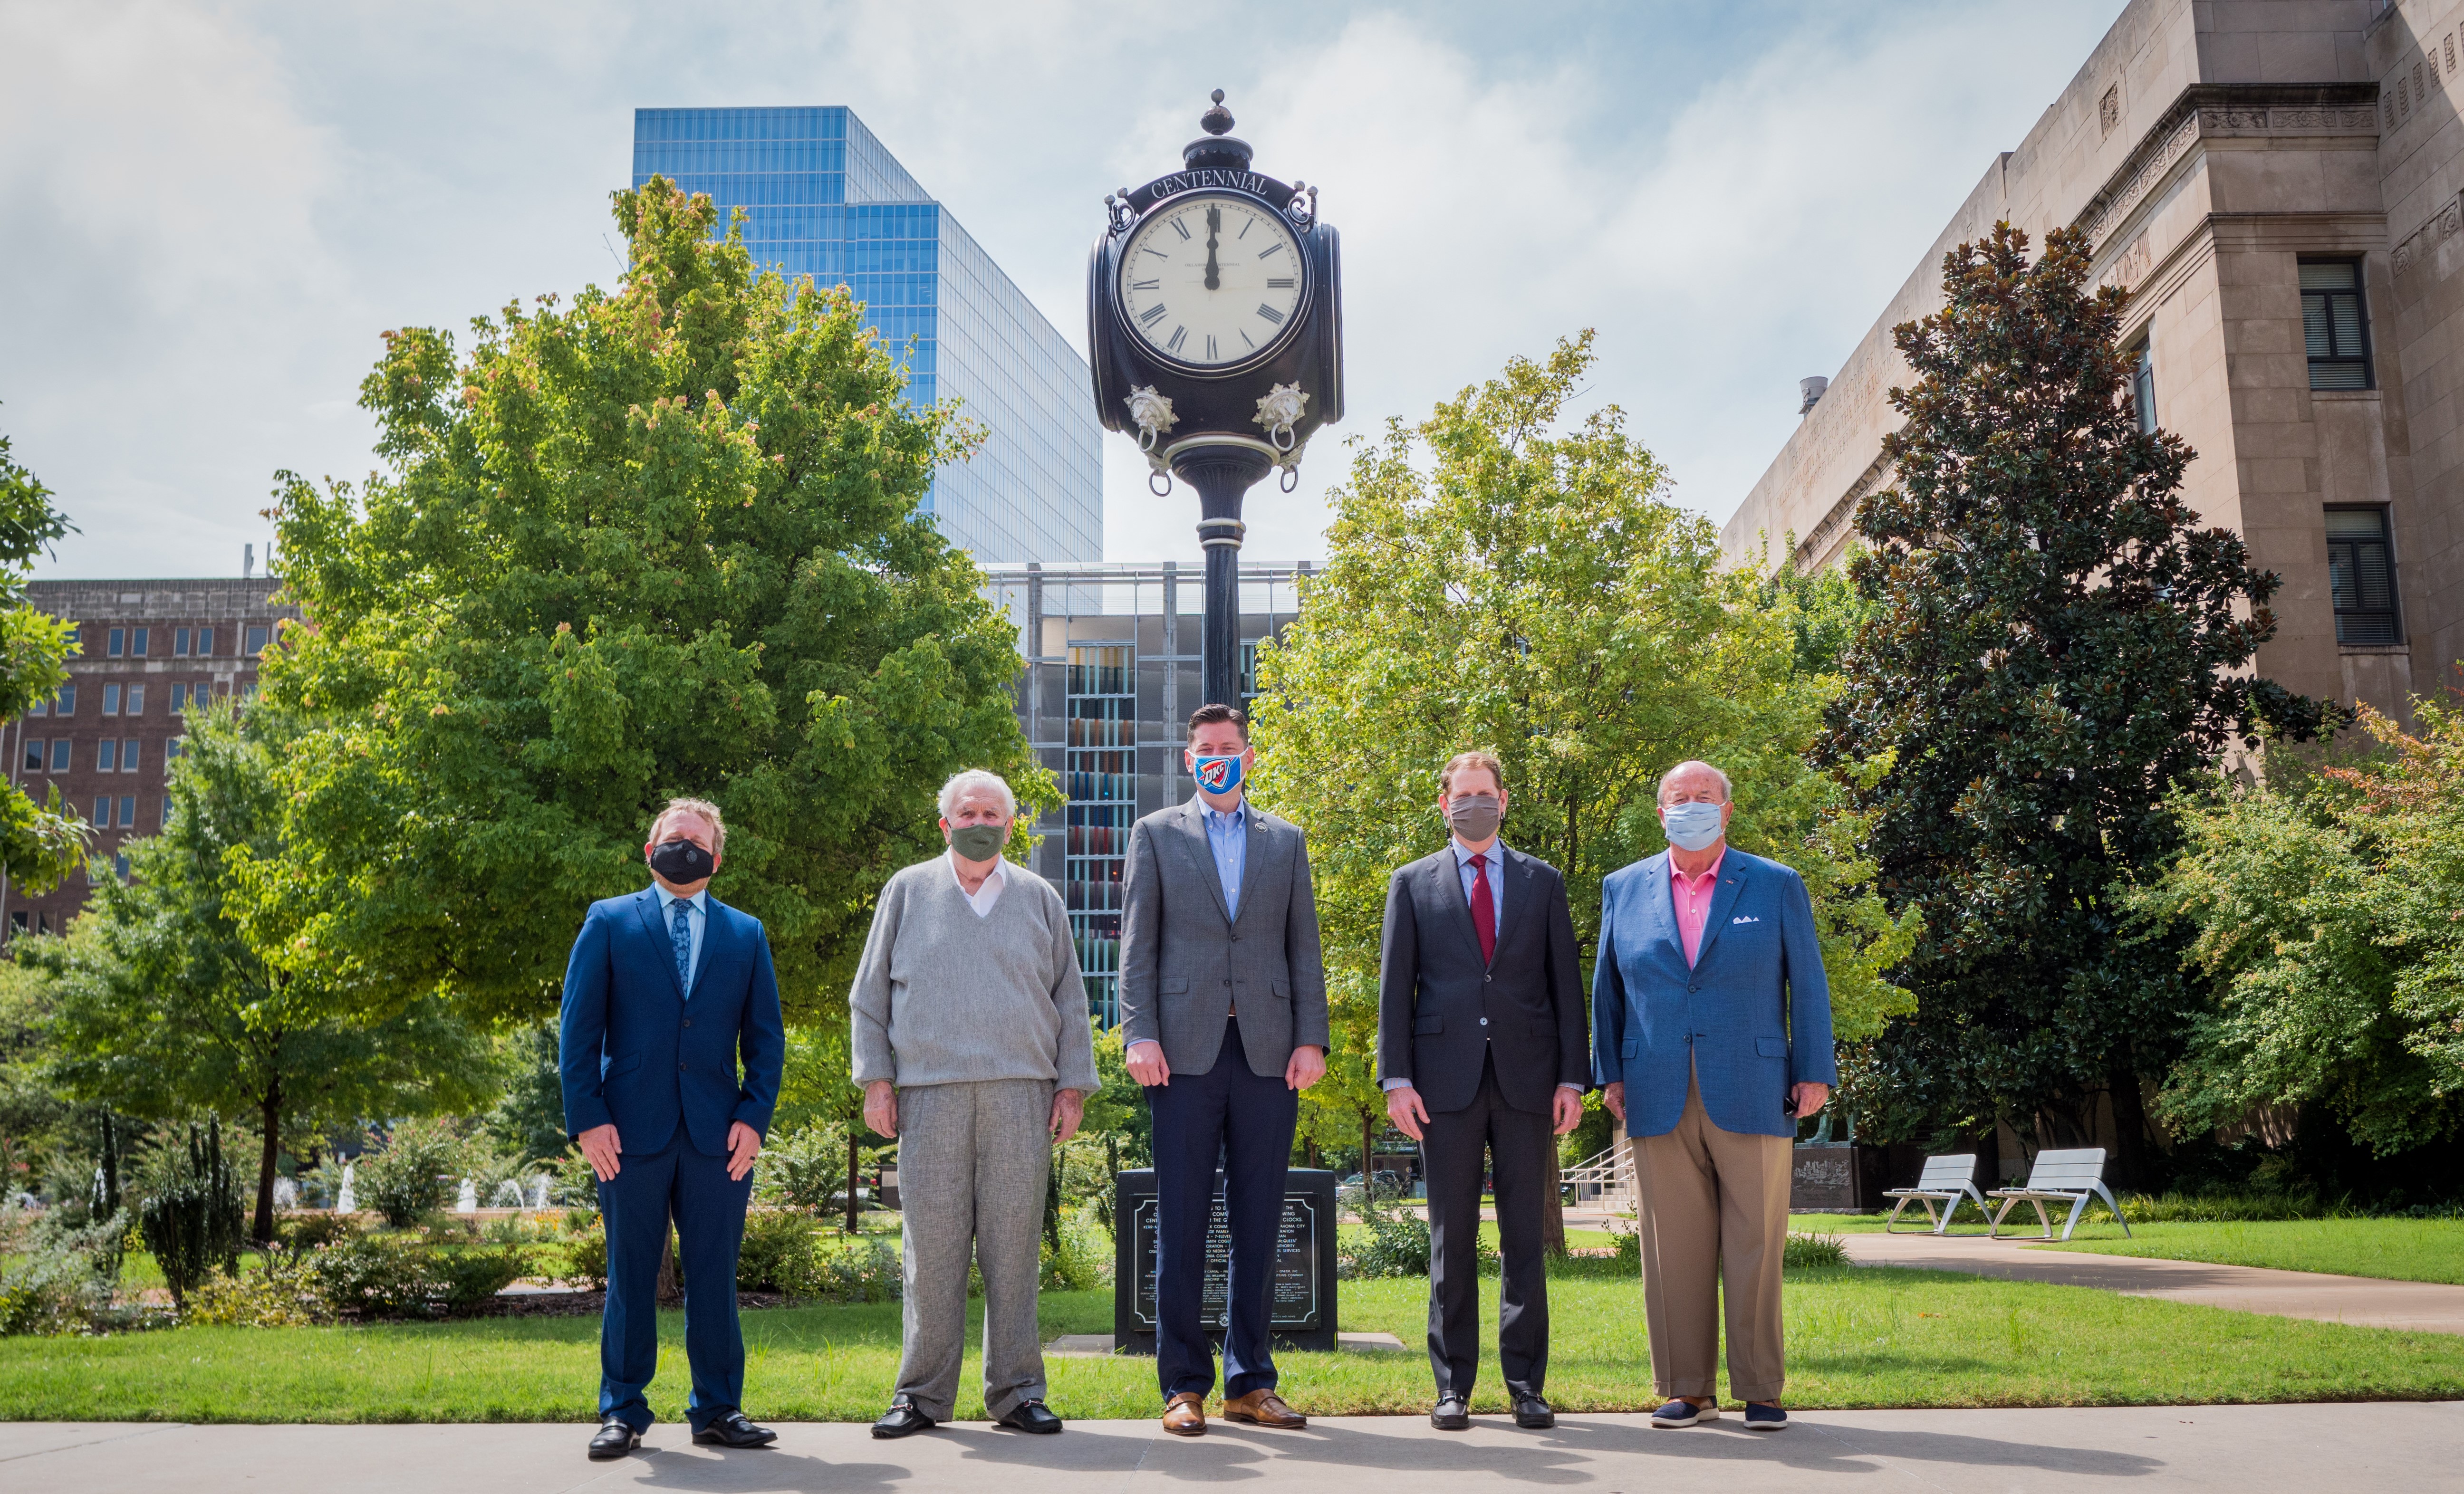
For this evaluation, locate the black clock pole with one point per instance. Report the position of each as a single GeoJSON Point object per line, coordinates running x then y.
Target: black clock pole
{"type": "Point", "coordinates": [1223, 475]}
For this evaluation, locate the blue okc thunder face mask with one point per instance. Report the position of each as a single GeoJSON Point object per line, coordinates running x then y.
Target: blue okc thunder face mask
{"type": "Point", "coordinates": [1691, 826]}
{"type": "Point", "coordinates": [1219, 774]}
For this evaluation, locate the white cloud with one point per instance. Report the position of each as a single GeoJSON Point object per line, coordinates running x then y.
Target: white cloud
{"type": "Point", "coordinates": [213, 210]}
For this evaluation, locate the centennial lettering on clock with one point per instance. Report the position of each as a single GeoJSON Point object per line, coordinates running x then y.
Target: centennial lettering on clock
{"type": "Point", "coordinates": [1212, 280]}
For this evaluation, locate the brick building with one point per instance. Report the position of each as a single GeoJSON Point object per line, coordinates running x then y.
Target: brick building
{"type": "Point", "coordinates": [149, 650]}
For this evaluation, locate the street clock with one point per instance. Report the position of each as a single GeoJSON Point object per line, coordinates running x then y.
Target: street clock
{"type": "Point", "coordinates": [1214, 321]}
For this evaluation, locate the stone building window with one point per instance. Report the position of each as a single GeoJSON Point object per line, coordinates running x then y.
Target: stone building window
{"type": "Point", "coordinates": [2361, 576]}
{"type": "Point", "coordinates": [2334, 325]}
{"type": "Point", "coordinates": [2143, 386]}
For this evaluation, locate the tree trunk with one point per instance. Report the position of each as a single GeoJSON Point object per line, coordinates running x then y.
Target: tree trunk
{"type": "Point", "coordinates": [2130, 1134]}
{"type": "Point", "coordinates": [1368, 1155]}
{"type": "Point", "coordinates": [853, 1144]}
{"type": "Point", "coordinates": [671, 1286]}
{"type": "Point", "coordinates": [269, 1108]}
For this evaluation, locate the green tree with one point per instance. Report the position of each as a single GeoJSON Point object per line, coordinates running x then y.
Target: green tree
{"type": "Point", "coordinates": [40, 845]}
{"type": "Point", "coordinates": [2053, 648]}
{"type": "Point", "coordinates": [161, 1005]}
{"type": "Point", "coordinates": [1494, 582]}
{"type": "Point", "coordinates": [667, 541]}
{"type": "Point", "coordinates": [2322, 905]}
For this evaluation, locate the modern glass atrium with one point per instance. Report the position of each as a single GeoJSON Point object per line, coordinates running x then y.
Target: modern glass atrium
{"type": "Point", "coordinates": [822, 197]}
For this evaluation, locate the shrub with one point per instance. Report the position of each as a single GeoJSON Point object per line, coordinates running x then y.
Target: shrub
{"type": "Point", "coordinates": [273, 1298]}
{"type": "Point", "coordinates": [1084, 1261]}
{"type": "Point", "coordinates": [307, 1231]}
{"type": "Point", "coordinates": [866, 1270]}
{"type": "Point", "coordinates": [1397, 1246]}
{"type": "Point", "coordinates": [585, 1258]}
{"type": "Point", "coordinates": [51, 1292]}
{"type": "Point", "coordinates": [192, 1217]}
{"type": "Point", "coordinates": [415, 1175]}
{"type": "Point", "coordinates": [777, 1242]}
{"type": "Point", "coordinates": [1804, 1251]}
{"type": "Point", "coordinates": [397, 1276]}
{"type": "Point", "coordinates": [806, 1170]}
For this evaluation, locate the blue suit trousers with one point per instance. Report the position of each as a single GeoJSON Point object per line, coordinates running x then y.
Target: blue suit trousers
{"type": "Point", "coordinates": [691, 1188]}
{"type": "Point", "coordinates": [1245, 1119]}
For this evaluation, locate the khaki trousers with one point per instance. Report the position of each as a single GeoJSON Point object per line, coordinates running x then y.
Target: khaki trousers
{"type": "Point", "coordinates": [1714, 1210]}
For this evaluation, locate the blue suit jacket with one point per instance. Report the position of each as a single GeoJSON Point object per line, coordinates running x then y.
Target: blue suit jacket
{"type": "Point", "coordinates": [1754, 1014]}
{"type": "Point", "coordinates": [635, 1054]}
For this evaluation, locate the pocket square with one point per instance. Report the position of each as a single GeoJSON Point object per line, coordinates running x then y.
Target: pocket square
{"type": "Point", "coordinates": [1741, 919]}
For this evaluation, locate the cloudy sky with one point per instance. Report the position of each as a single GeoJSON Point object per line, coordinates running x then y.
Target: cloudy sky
{"type": "Point", "coordinates": [210, 211]}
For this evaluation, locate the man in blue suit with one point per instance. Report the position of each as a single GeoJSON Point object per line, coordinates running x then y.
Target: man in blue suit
{"type": "Point", "coordinates": [667, 990]}
{"type": "Point", "coordinates": [1711, 1037]}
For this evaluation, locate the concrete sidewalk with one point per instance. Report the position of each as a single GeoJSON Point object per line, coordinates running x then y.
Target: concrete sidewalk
{"type": "Point", "coordinates": [2242, 1449]}
{"type": "Point", "coordinates": [2423, 1306]}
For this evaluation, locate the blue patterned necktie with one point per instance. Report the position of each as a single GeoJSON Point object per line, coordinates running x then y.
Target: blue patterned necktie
{"type": "Point", "coordinates": [680, 932]}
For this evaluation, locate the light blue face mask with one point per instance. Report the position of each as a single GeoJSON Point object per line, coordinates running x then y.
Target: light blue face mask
{"type": "Point", "coordinates": [1693, 826]}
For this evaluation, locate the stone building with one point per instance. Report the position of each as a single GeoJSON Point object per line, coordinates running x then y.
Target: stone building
{"type": "Point", "coordinates": [151, 651]}
{"type": "Point", "coordinates": [2277, 183]}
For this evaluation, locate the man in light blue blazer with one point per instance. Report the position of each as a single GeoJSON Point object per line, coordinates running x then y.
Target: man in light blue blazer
{"type": "Point", "coordinates": [1711, 1037]}
{"type": "Point", "coordinates": [672, 1048]}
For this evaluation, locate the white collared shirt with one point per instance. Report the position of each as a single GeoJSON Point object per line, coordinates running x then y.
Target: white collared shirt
{"type": "Point", "coordinates": [698, 920]}
{"type": "Point", "coordinates": [982, 898]}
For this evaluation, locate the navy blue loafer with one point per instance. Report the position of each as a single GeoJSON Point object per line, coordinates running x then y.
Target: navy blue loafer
{"type": "Point", "coordinates": [1684, 1412]}
{"type": "Point", "coordinates": [1765, 1418]}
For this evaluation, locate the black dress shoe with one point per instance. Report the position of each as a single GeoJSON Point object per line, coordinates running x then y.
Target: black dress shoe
{"type": "Point", "coordinates": [1451, 1415]}
{"type": "Point", "coordinates": [731, 1429]}
{"type": "Point", "coordinates": [1032, 1416]}
{"type": "Point", "coordinates": [902, 1419]}
{"type": "Point", "coordinates": [1531, 1411]}
{"type": "Point", "coordinates": [614, 1439]}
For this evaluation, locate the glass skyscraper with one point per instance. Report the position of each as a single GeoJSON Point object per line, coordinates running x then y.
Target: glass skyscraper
{"type": "Point", "coordinates": [823, 198]}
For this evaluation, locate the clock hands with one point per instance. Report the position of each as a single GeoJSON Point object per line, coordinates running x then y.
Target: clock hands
{"type": "Point", "coordinates": [1214, 224]}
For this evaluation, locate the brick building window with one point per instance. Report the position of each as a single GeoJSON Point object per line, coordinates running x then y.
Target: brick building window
{"type": "Point", "coordinates": [128, 757]}
{"type": "Point", "coordinates": [107, 756]}
{"type": "Point", "coordinates": [136, 700]}
{"type": "Point", "coordinates": [111, 700]}
{"type": "Point", "coordinates": [257, 640]}
{"type": "Point", "coordinates": [60, 746]}
{"type": "Point", "coordinates": [115, 642]}
{"type": "Point", "coordinates": [34, 758]}
{"type": "Point", "coordinates": [2361, 576]}
{"type": "Point", "coordinates": [2334, 325]}
{"type": "Point", "coordinates": [65, 702]}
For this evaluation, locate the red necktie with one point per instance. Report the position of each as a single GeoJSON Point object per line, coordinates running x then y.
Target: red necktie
{"type": "Point", "coordinates": [1483, 909]}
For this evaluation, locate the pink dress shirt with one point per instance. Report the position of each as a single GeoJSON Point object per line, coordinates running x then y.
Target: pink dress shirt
{"type": "Point", "coordinates": [1692, 895]}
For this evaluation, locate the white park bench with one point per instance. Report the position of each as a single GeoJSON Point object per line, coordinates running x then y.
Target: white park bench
{"type": "Point", "coordinates": [1945, 1181]}
{"type": "Point", "coordinates": [2071, 1178]}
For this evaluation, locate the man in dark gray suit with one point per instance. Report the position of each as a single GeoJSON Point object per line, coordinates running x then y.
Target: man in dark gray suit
{"type": "Point", "coordinates": [1224, 1009]}
{"type": "Point", "coordinates": [1481, 1047]}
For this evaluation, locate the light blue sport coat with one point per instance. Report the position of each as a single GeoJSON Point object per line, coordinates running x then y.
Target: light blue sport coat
{"type": "Point", "coordinates": [1754, 1014]}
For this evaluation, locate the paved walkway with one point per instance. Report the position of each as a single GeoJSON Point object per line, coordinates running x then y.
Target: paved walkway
{"type": "Point", "coordinates": [2158, 1450]}
{"type": "Point", "coordinates": [2424, 1306]}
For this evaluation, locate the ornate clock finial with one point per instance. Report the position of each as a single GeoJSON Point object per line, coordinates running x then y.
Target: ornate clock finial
{"type": "Point", "coordinates": [1217, 120]}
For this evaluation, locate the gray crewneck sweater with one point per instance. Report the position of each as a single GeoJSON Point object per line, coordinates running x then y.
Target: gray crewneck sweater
{"type": "Point", "coordinates": [945, 997]}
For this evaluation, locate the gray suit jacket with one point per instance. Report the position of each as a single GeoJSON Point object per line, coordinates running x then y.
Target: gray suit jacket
{"type": "Point", "coordinates": [1185, 963]}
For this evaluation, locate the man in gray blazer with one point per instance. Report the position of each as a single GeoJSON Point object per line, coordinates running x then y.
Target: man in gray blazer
{"type": "Point", "coordinates": [1224, 1009]}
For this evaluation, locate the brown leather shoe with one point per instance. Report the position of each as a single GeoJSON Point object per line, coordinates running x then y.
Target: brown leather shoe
{"type": "Point", "coordinates": [1263, 1408]}
{"type": "Point", "coordinates": [1185, 1415]}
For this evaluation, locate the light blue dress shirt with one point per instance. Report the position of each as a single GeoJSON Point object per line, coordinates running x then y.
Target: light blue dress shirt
{"type": "Point", "coordinates": [698, 920]}
{"type": "Point", "coordinates": [1495, 856]}
{"type": "Point", "coordinates": [1227, 836]}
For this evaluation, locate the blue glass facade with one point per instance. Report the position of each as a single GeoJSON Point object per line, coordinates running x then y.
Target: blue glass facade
{"type": "Point", "coordinates": [822, 198]}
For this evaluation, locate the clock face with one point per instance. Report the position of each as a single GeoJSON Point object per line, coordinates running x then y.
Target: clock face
{"type": "Point", "coordinates": [1213, 281]}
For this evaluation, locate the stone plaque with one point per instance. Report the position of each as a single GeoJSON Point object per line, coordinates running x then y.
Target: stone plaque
{"type": "Point", "coordinates": [1302, 1311]}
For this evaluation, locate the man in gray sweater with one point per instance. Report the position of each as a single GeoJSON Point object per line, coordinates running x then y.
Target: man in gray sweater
{"type": "Point", "coordinates": [972, 1044]}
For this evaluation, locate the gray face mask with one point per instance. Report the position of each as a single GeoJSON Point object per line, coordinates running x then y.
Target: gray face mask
{"type": "Point", "coordinates": [1475, 817]}
{"type": "Point", "coordinates": [978, 842]}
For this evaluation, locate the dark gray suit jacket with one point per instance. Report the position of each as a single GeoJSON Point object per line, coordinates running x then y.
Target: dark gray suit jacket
{"type": "Point", "coordinates": [1441, 1012]}
{"type": "Point", "coordinates": [1185, 962]}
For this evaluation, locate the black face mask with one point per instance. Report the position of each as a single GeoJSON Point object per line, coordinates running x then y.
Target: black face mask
{"type": "Point", "coordinates": [682, 863]}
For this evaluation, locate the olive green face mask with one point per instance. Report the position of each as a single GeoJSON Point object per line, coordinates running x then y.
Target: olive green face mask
{"type": "Point", "coordinates": [978, 842]}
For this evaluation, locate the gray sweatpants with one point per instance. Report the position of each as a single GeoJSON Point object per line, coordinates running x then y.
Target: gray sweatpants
{"type": "Point", "coordinates": [973, 1164]}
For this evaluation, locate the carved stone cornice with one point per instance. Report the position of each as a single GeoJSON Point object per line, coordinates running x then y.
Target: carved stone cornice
{"type": "Point", "coordinates": [2223, 111]}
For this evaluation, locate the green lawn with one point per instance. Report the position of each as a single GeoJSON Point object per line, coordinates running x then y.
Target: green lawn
{"type": "Point", "coordinates": [1863, 1337]}
{"type": "Point", "coordinates": [2404, 1250]}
